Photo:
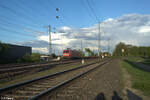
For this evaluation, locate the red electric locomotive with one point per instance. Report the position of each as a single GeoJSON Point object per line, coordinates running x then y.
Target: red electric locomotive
{"type": "Point", "coordinates": [71, 53]}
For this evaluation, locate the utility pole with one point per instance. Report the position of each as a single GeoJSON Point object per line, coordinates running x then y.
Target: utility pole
{"type": "Point", "coordinates": [99, 40]}
{"type": "Point", "coordinates": [50, 41]}
{"type": "Point", "coordinates": [108, 45]}
{"type": "Point", "coordinates": [82, 52]}
{"type": "Point", "coordinates": [81, 46]}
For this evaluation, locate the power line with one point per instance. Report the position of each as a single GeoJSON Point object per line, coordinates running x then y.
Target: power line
{"type": "Point", "coordinates": [18, 13]}
{"type": "Point", "coordinates": [24, 28]}
{"type": "Point", "coordinates": [89, 13]}
{"type": "Point", "coordinates": [16, 32]}
{"type": "Point", "coordinates": [99, 34]}
{"type": "Point", "coordinates": [5, 19]}
{"type": "Point", "coordinates": [16, 36]}
{"type": "Point", "coordinates": [30, 8]}
{"type": "Point", "coordinates": [13, 24]}
{"type": "Point", "coordinates": [92, 10]}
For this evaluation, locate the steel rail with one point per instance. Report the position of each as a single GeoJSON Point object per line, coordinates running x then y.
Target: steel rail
{"type": "Point", "coordinates": [36, 97]}
{"type": "Point", "coordinates": [33, 66]}
{"type": "Point", "coordinates": [36, 79]}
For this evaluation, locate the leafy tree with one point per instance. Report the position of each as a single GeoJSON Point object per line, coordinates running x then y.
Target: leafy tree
{"type": "Point", "coordinates": [3, 48]}
{"type": "Point", "coordinates": [130, 50]}
{"type": "Point", "coordinates": [89, 51]}
{"type": "Point", "coordinates": [118, 50]}
{"type": "Point", "coordinates": [3, 51]}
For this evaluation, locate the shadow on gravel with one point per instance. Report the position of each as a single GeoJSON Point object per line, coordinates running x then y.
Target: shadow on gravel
{"type": "Point", "coordinates": [114, 97]}
{"type": "Point", "coordinates": [132, 96]}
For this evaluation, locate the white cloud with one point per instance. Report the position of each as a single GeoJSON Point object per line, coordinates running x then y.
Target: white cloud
{"type": "Point", "coordinates": [131, 28]}
{"type": "Point", "coordinates": [43, 37]}
{"type": "Point", "coordinates": [144, 29]}
{"type": "Point", "coordinates": [40, 50]}
{"type": "Point", "coordinates": [109, 20]}
{"type": "Point", "coordinates": [65, 28]}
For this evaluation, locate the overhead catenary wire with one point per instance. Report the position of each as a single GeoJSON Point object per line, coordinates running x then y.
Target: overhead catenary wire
{"type": "Point", "coordinates": [92, 10]}
{"type": "Point", "coordinates": [87, 9]}
{"type": "Point", "coordinates": [16, 36]}
{"type": "Point", "coordinates": [6, 23]}
{"type": "Point", "coordinates": [33, 9]}
{"type": "Point", "coordinates": [13, 21]}
{"type": "Point", "coordinates": [25, 16]}
{"type": "Point", "coordinates": [9, 27]}
{"type": "Point", "coordinates": [16, 32]}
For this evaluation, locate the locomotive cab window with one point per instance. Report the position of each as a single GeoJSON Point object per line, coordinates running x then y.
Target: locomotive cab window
{"type": "Point", "coordinates": [66, 51]}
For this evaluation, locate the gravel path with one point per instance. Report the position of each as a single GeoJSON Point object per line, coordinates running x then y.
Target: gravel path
{"type": "Point", "coordinates": [105, 79]}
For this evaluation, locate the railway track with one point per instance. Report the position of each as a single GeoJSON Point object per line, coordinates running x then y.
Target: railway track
{"type": "Point", "coordinates": [14, 65]}
{"type": "Point", "coordinates": [4, 66]}
{"type": "Point", "coordinates": [14, 68]}
{"type": "Point", "coordinates": [9, 74]}
{"type": "Point", "coordinates": [36, 88]}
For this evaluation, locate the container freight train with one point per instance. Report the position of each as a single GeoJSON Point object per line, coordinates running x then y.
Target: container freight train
{"type": "Point", "coordinates": [71, 54]}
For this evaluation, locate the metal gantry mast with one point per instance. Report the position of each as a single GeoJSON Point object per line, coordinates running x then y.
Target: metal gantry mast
{"type": "Point", "coordinates": [99, 40]}
{"type": "Point", "coordinates": [50, 41]}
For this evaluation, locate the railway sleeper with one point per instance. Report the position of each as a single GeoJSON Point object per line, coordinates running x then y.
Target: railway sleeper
{"type": "Point", "coordinates": [34, 89]}
{"type": "Point", "coordinates": [26, 92]}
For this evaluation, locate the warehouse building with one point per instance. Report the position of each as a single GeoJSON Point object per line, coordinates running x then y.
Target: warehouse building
{"type": "Point", "coordinates": [15, 52]}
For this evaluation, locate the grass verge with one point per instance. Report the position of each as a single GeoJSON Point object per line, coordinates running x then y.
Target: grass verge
{"type": "Point", "coordinates": [146, 62]}
{"type": "Point", "coordinates": [140, 78]}
{"type": "Point", "coordinates": [134, 59]}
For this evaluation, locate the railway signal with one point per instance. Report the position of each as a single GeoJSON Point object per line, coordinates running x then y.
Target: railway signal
{"type": "Point", "coordinates": [57, 17]}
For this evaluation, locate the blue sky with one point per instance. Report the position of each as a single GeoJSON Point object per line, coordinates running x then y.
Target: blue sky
{"type": "Point", "coordinates": [19, 18]}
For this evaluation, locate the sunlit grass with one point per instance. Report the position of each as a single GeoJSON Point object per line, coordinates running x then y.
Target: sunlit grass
{"type": "Point", "coordinates": [134, 59]}
{"type": "Point", "coordinates": [140, 78]}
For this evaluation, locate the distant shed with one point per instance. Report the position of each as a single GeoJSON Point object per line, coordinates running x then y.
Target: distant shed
{"type": "Point", "coordinates": [15, 52]}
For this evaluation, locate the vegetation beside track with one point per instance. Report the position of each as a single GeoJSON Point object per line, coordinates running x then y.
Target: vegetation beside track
{"type": "Point", "coordinates": [44, 73]}
{"type": "Point", "coordinates": [135, 59]}
{"type": "Point", "coordinates": [145, 61]}
{"type": "Point", "coordinates": [140, 78]}
{"type": "Point", "coordinates": [35, 57]}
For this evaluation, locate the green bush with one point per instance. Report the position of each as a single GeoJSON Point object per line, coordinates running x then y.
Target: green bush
{"type": "Point", "coordinates": [26, 58]}
{"type": "Point", "coordinates": [35, 57]}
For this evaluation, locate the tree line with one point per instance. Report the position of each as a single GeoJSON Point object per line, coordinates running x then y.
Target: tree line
{"type": "Point", "coordinates": [123, 49]}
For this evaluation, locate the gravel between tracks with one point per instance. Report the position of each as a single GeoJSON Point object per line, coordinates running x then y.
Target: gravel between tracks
{"type": "Point", "coordinates": [105, 79]}
{"type": "Point", "coordinates": [57, 68]}
{"type": "Point", "coordinates": [22, 93]}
